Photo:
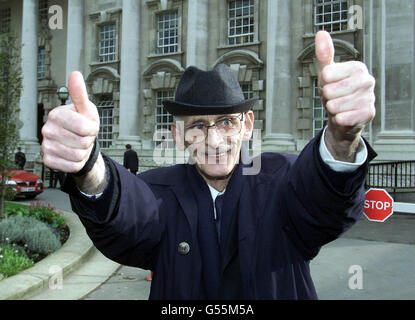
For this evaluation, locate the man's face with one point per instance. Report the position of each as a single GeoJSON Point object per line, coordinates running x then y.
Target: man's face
{"type": "Point", "coordinates": [214, 141]}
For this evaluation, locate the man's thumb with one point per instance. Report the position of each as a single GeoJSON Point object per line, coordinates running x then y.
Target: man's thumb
{"type": "Point", "coordinates": [78, 93]}
{"type": "Point", "coordinates": [324, 49]}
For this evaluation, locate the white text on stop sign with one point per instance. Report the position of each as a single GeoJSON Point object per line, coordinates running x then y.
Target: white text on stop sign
{"type": "Point", "coordinates": [379, 205]}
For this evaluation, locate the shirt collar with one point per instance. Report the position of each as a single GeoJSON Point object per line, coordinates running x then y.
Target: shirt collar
{"type": "Point", "coordinates": [215, 192]}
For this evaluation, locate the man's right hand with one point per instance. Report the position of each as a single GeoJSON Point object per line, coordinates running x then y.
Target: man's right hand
{"type": "Point", "coordinates": [70, 130]}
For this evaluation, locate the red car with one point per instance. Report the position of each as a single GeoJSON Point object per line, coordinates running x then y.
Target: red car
{"type": "Point", "coordinates": [24, 183]}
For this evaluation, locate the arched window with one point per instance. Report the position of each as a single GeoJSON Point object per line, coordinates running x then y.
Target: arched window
{"type": "Point", "coordinates": [163, 118]}
{"type": "Point", "coordinates": [319, 112]}
{"type": "Point", "coordinates": [105, 107]}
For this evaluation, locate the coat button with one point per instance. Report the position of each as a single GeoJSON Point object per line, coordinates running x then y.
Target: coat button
{"type": "Point", "coordinates": [183, 248]}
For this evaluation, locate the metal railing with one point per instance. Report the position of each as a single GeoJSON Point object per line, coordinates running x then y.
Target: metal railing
{"type": "Point", "coordinates": [394, 175]}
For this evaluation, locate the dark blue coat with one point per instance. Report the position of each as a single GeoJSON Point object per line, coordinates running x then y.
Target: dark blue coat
{"type": "Point", "coordinates": [286, 213]}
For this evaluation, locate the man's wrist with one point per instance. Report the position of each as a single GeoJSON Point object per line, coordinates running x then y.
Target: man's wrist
{"type": "Point", "coordinates": [89, 164]}
{"type": "Point", "coordinates": [343, 166]}
{"type": "Point", "coordinates": [96, 180]}
{"type": "Point", "coordinates": [342, 149]}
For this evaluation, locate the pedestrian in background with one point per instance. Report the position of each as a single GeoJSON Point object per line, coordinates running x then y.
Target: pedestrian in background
{"type": "Point", "coordinates": [131, 159]}
{"type": "Point", "coordinates": [59, 176]}
{"type": "Point", "coordinates": [52, 178]}
{"type": "Point", "coordinates": [20, 158]}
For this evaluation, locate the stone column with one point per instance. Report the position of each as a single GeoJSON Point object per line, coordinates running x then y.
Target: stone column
{"type": "Point", "coordinates": [75, 37]}
{"type": "Point", "coordinates": [368, 55]}
{"type": "Point", "coordinates": [197, 34]}
{"type": "Point", "coordinates": [28, 99]}
{"type": "Point", "coordinates": [130, 75]}
{"type": "Point", "coordinates": [278, 136]}
{"type": "Point", "coordinates": [395, 81]}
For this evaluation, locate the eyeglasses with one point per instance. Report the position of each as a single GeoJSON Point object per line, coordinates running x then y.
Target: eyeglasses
{"type": "Point", "coordinates": [227, 126]}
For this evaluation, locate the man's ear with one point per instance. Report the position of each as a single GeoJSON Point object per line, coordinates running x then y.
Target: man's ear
{"type": "Point", "coordinates": [249, 125]}
{"type": "Point", "coordinates": [178, 136]}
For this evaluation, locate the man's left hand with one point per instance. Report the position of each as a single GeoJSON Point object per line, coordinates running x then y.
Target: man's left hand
{"type": "Point", "coordinates": [347, 93]}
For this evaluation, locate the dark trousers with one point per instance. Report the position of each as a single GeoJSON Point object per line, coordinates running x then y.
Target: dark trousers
{"type": "Point", "coordinates": [59, 176]}
{"type": "Point", "coordinates": [52, 177]}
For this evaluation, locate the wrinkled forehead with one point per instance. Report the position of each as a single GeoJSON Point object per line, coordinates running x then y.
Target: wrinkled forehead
{"type": "Point", "coordinates": [204, 118]}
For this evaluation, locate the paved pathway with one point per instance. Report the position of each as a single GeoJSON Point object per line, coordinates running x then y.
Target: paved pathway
{"type": "Point", "coordinates": [377, 258]}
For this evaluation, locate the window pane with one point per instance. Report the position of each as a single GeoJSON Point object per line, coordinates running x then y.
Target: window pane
{"type": "Point", "coordinates": [5, 19]}
{"type": "Point", "coordinates": [41, 63]}
{"type": "Point", "coordinates": [330, 15]}
{"type": "Point", "coordinates": [107, 43]}
{"type": "Point", "coordinates": [319, 112]}
{"type": "Point", "coordinates": [163, 118]}
{"type": "Point", "coordinates": [241, 21]}
{"type": "Point", "coordinates": [105, 110]}
{"type": "Point", "coordinates": [167, 32]}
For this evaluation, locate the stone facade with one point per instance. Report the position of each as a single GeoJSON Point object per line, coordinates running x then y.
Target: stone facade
{"type": "Point", "coordinates": [275, 62]}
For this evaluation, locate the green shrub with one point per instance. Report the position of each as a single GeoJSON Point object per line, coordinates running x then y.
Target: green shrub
{"type": "Point", "coordinates": [46, 213]}
{"type": "Point", "coordinates": [40, 212]}
{"type": "Point", "coordinates": [27, 230]}
{"type": "Point", "coordinates": [22, 211]}
{"type": "Point", "coordinates": [13, 260]}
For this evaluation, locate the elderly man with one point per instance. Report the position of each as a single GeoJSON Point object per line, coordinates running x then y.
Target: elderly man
{"type": "Point", "coordinates": [206, 229]}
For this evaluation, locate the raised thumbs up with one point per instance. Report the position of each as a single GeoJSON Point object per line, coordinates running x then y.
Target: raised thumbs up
{"type": "Point", "coordinates": [324, 52]}
{"type": "Point", "coordinates": [70, 130]}
{"type": "Point", "coordinates": [324, 48]}
{"type": "Point", "coordinates": [79, 96]}
{"type": "Point", "coordinates": [347, 93]}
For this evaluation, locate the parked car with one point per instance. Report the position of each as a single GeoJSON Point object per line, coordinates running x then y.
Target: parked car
{"type": "Point", "coordinates": [24, 183]}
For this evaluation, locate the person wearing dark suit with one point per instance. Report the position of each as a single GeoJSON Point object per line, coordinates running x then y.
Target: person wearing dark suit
{"type": "Point", "coordinates": [58, 177]}
{"type": "Point", "coordinates": [20, 159]}
{"type": "Point", "coordinates": [130, 160]}
{"type": "Point", "coordinates": [223, 225]}
{"type": "Point", "coordinates": [52, 178]}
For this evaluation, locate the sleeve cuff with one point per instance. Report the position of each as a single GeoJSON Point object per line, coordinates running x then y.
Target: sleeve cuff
{"type": "Point", "coordinates": [341, 166]}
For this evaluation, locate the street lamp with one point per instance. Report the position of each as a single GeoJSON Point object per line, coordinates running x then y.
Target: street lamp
{"type": "Point", "coordinates": [63, 94]}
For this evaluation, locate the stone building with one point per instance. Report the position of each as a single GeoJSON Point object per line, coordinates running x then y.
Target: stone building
{"type": "Point", "coordinates": [133, 52]}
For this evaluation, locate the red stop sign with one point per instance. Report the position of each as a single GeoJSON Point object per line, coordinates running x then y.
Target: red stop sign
{"type": "Point", "coordinates": [378, 205]}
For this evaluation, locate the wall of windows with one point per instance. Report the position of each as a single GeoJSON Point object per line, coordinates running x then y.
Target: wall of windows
{"type": "Point", "coordinates": [5, 20]}
{"type": "Point", "coordinates": [167, 32]}
{"type": "Point", "coordinates": [330, 15]}
{"type": "Point", "coordinates": [41, 63]}
{"type": "Point", "coordinates": [43, 8]}
{"type": "Point", "coordinates": [105, 110]}
{"type": "Point", "coordinates": [107, 43]}
{"type": "Point", "coordinates": [163, 118]}
{"type": "Point", "coordinates": [319, 112]}
{"type": "Point", "coordinates": [240, 21]}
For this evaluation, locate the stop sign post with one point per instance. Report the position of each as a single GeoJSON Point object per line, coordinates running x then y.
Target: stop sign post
{"type": "Point", "coordinates": [378, 205]}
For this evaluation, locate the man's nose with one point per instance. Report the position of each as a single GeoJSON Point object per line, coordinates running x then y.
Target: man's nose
{"type": "Point", "coordinates": [214, 138]}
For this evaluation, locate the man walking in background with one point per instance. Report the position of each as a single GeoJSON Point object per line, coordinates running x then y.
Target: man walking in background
{"type": "Point", "coordinates": [130, 160]}
{"type": "Point", "coordinates": [20, 158]}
